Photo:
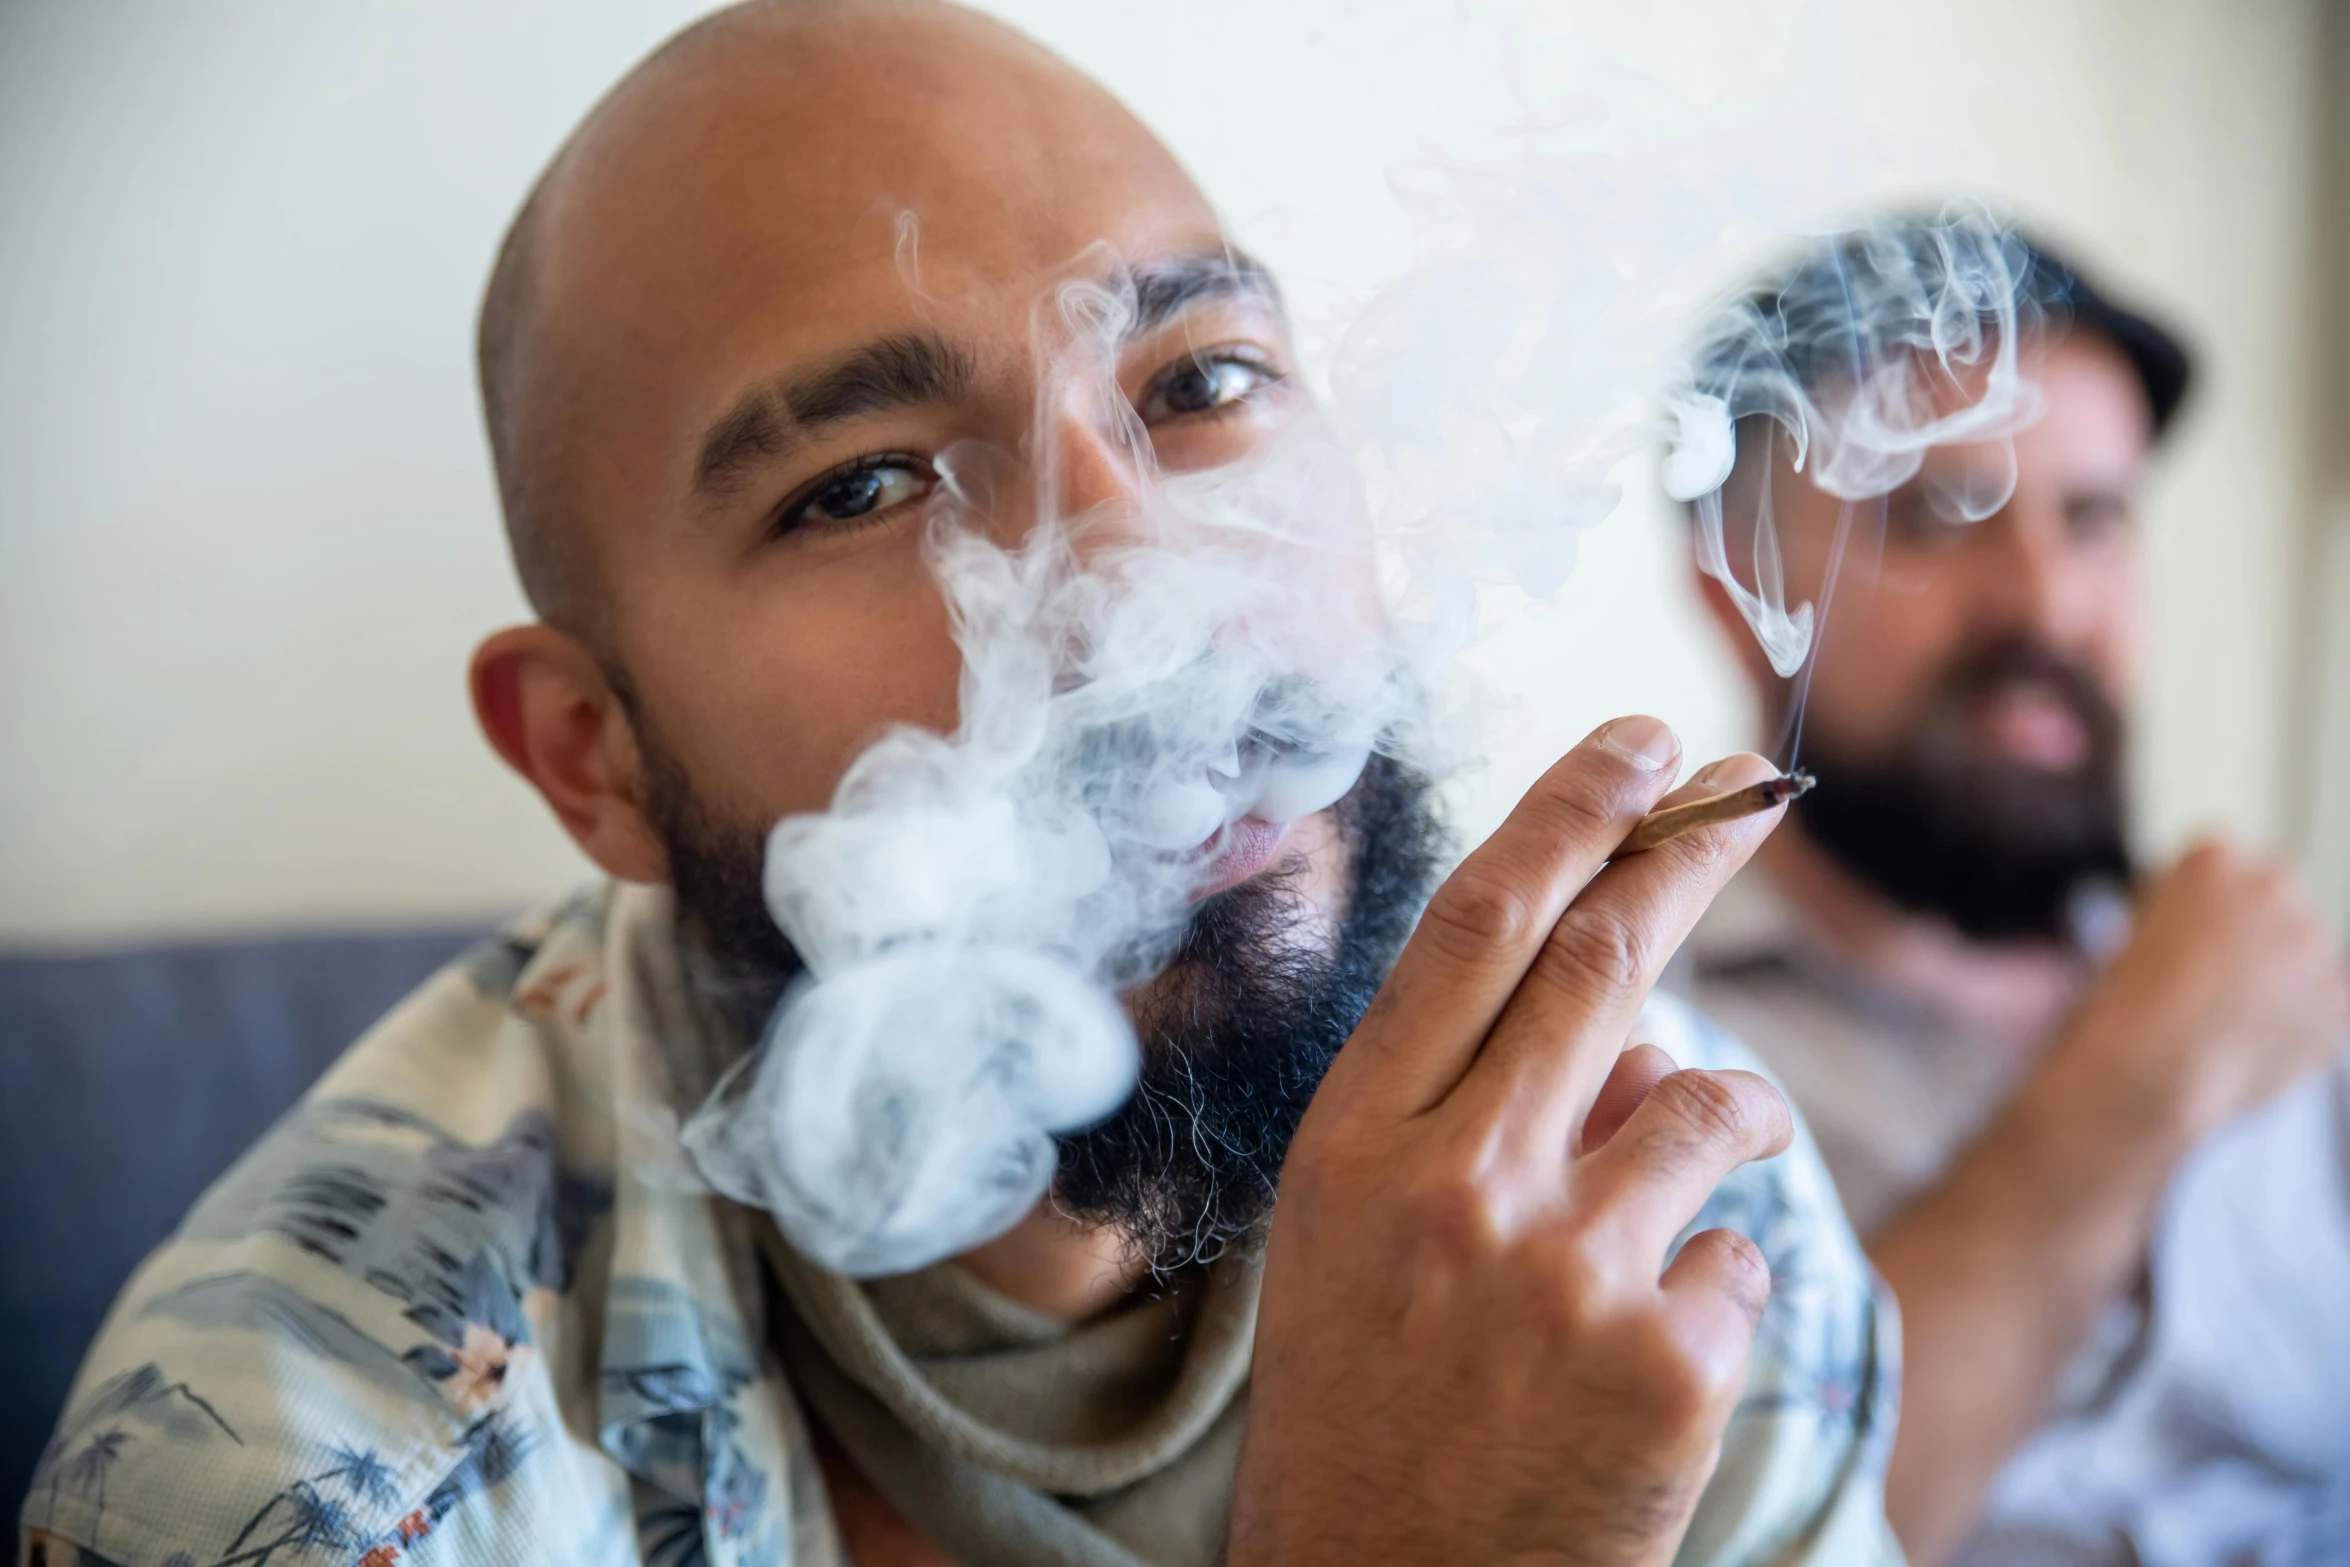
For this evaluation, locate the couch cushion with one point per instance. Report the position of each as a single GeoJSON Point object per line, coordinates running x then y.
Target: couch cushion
{"type": "Point", "coordinates": [128, 1080]}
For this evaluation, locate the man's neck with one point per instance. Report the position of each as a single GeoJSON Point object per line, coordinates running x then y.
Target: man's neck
{"type": "Point", "coordinates": [1050, 1263]}
{"type": "Point", "coordinates": [2014, 992]}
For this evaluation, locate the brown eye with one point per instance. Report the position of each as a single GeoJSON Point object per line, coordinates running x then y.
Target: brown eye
{"type": "Point", "coordinates": [1914, 521]}
{"type": "Point", "coordinates": [1203, 383]}
{"type": "Point", "coordinates": [865, 489]}
{"type": "Point", "coordinates": [2091, 518]}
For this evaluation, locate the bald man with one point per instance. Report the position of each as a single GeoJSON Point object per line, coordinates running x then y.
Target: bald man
{"type": "Point", "coordinates": [467, 1304]}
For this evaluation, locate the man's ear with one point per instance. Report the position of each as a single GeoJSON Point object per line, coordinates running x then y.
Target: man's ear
{"type": "Point", "coordinates": [546, 707]}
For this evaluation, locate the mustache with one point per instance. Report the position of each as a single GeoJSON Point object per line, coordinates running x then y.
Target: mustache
{"type": "Point", "coordinates": [1238, 1030]}
{"type": "Point", "coordinates": [1996, 667]}
{"type": "Point", "coordinates": [1940, 825]}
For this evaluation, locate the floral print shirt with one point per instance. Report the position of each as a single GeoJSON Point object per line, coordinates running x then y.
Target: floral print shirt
{"type": "Point", "coordinates": [465, 1304]}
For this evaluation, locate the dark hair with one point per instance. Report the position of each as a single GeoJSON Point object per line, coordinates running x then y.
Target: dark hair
{"type": "Point", "coordinates": [1803, 319]}
{"type": "Point", "coordinates": [2165, 368]}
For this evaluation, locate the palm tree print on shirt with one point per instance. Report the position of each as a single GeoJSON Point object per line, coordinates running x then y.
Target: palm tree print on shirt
{"type": "Point", "coordinates": [464, 1236]}
{"type": "Point", "coordinates": [328, 1515]}
{"type": "Point", "coordinates": [92, 1439]}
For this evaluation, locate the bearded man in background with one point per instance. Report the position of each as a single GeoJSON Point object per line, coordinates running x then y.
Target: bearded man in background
{"type": "Point", "coordinates": [2030, 1066]}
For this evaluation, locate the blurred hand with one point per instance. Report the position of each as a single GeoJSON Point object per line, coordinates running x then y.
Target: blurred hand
{"type": "Point", "coordinates": [1466, 1352]}
{"type": "Point", "coordinates": [2227, 992]}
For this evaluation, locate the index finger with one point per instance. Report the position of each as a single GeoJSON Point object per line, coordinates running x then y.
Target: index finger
{"type": "Point", "coordinates": [1493, 914]}
{"type": "Point", "coordinates": [1557, 1039]}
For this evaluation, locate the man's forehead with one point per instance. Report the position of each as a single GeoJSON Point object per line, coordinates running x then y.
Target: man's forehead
{"type": "Point", "coordinates": [2087, 390]}
{"type": "Point", "coordinates": [2093, 412]}
{"type": "Point", "coordinates": [832, 175]}
{"type": "Point", "coordinates": [793, 161]}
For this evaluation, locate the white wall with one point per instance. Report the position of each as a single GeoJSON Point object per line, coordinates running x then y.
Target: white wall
{"type": "Point", "coordinates": [247, 535]}
{"type": "Point", "coordinates": [2321, 813]}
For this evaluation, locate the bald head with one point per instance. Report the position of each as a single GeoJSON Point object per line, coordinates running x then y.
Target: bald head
{"type": "Point", "coordinates": [784, 274]}
{"type": "Point", "coordinates": [503, 344]}
{"type": "Point", "coordinates": [833, 121]}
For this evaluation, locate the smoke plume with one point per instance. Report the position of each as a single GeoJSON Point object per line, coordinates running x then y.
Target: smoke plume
{"type": "Point", "coordinates": [1881, 343]}
{"type": "Point", "coordinates": [1144, 679]}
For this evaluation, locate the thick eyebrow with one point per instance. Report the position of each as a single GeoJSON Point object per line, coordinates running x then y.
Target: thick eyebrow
{"type": "Point", "coordinates": [914, 368]}
{"type": "Point", "coordinates": [1163, 290]}
{"type": "Point", "coordinates": [903, 371]}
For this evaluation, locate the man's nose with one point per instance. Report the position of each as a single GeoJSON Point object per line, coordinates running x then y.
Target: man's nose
{"type": "Point", "coordinates": [1093, 456]}
{"type": "Point", "coordinates": [2033, 579]}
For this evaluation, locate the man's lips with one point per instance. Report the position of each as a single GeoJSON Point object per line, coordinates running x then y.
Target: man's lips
{"type": "Point", "coordinates": [2030, 724]}
{"type": "Point", "coordinates": [1247, 847]}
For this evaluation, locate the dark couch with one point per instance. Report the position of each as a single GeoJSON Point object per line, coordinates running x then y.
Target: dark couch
{"type": "Point", "coordinates": [128, 1080]}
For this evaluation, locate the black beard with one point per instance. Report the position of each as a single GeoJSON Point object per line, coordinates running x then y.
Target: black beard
{"type": "Point", "coordinates": [1236, 1033]}
{"type": "Point", "coordinates": [736, 960]}
{"type": "Point", "coordinates": [1999, 850]}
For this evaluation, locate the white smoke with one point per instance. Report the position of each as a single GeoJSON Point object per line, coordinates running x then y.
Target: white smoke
{"type": "Point", "coordinates": [1878, 345]}
{"type": "Point", "coordinates": [1146, 681]}
{"type": "Point", "coordinates": [1142, 683]}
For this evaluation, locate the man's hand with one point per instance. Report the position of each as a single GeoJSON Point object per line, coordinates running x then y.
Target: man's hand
{"type": "Point", "coordinates": [2227, 992]}
{"type": "Point", "coordinates": [1470, 1349]}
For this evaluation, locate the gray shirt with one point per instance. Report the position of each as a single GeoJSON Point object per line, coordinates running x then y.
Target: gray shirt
{"type": "Point", "coordinates": [2207, 1420]}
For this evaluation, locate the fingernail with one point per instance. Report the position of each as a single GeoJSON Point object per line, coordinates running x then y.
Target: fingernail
{"type": "Point", "coordinates": [1718, 770]}
{"type": "Point", "coordinates": [1647, 743]}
